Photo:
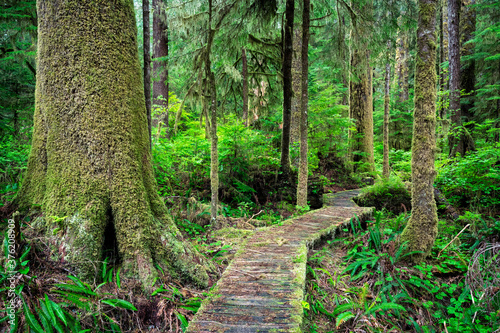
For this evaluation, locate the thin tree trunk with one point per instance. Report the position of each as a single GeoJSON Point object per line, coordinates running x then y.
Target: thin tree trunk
{"type": "Point", "coordinates": [214, 155]}
{"type": "Point", "coordinates": [160, 67]}
{"type": "Point", "coordinates": [245, 86]}
{"type": "Point", "coordinates": [287, 89]}
{"type": "Point", "coordinates": [467, 69]}
{"type": "Point", "coordinates": [421, 230]}
{"type": "Point", "coordinates": [401, 128]}
{"type": "Point", "coordinates": [455, 141]}
{"type": "Point", "coordinates": [147, 63]}
{"type": "Point", "coordinates": [386, 170]}
{"type": "Point", "coordinates": [361, 106]}
{"type": "Point", "coordinates": [303, 167]}
{"type": "Point", "coordinates": [296, 84]}
{"type": "Point", "coordinates": [360, 97]}
{"type": "Point", "coordinates": [441, 111]}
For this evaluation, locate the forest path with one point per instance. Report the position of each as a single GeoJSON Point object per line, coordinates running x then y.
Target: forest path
{"type": "Point", "coordinates": [263, 287]}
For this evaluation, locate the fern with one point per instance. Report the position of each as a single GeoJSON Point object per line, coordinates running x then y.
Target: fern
{"type": "Point", "coordinates": [343, 317]}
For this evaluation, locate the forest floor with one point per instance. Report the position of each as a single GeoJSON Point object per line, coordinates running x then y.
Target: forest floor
{"type": "Point", "coordinates": [262, 289]}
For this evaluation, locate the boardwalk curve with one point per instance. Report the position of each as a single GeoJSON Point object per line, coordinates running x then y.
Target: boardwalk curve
{"type": "Point", "coordinates": [263, 287]}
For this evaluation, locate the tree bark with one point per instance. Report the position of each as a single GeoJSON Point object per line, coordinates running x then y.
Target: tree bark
{"type": "Point", "coordinates": [296, 84]}
{"type": "Point", "coordinates": [160, 67]}
{"type": "Point", "coordinates": [443, 121]}
{"type": "Point", "coordinates": [442, 79]}
{"type": "Point", "coordinates": [214, 155]}
{"type": "Point", "coordinates": [90, 160]}
{"type": "Point", "coordinates": [360, 102]}
{"type": "Point", "coordinates": [303, 167]}
{"type": "Point", "coordinates": [287, 89]}
{"type": "Point", "coordinates": [421, 230]}
{"type": "Point", "coordinates": [245, 86]}
{"type": "Point", "coordinates": [401, 130]}
{"type": "Point", "coordinates": [455, 141]}
{"type": "Point", "coordinates": [386, 170]}
{"type": "Point", "coordinates": [147, 63]}
{"type": "Point", "coordinates": [467, 69]}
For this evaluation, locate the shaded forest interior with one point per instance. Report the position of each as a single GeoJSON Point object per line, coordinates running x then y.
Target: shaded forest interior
{"type": "Point", "coordinates": [142, 143]}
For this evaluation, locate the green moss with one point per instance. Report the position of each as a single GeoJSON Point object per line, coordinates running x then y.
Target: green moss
{"type": "Point", "coordinates": [94, 164]}
{"type": "Point", "coordinates": [421, 229]}
{"type": "Point", "coordinates": [232, 233]}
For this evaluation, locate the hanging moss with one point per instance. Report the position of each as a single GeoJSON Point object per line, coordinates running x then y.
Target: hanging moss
{"type": "Point", "coordinates": [90, 159]}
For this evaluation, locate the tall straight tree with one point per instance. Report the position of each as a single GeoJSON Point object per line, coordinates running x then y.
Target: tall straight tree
{"type": "Point", "coordinates": [421, 230]}
{"type": "Point", "coordinates": [360, 95]}
{"type": "Point", "coordinates": [467, 67]}
{"type": "Point", "coordinates": [160, 65]}
{"type": "Point", "coordinates": [296, 83]}
{"type": "Point", "coordinates": [90, 159]}
{"type": "Point", "coordinates": [212, 93]}
{"type": "Point", "coordinates": [400, 128]}
{"type": "Point", "coordinates": [147, 62]}
{"type": "Point", "coordinates": [287, 88]}
{"type": "Point", "coordinates": [386, 170]}
{"type": "Point", "coordinates": [456, 137]}
{"type": "Point", "coordinates": [303, 169]}
{"type": "Point", "coordinates": [443, 54]}
{"type": "Point", "coordinates": [244, 74]}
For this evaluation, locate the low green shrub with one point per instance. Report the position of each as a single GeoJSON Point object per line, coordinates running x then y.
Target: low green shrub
{"type": "Point", "coordinates": [390, 194]}
{"type": "Point", "coordinates": [473, 181]}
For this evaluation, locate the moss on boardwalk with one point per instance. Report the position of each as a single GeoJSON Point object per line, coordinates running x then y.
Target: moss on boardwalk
{"type": "Point", "coordinates": [263, 287]}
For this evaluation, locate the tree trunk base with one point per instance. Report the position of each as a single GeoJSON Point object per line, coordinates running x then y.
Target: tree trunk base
{"type": "Point", "coordinates": [84, 243]}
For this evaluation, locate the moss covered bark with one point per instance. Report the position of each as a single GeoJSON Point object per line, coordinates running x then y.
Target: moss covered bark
{"type": "Point", "coordinates": [90, 159]}
{"type": "Point", "coordinates": [296, 83]}
{"type": "Point", "coordinates": [244, 74]}
{"type": "Point", "coordinates": [400, 132]}
{"type": "Point", "coordinates": [360, 106]}
{"type": "Point", "coordinates": [303, 167]}
{"type": "Point", "coordinates": [421, 231]}
{"type": "Point", "coordinates": [386, 170]}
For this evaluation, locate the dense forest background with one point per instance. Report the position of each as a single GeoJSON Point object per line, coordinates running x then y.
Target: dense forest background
{"type": "Point", "coordinates": [224, 86]}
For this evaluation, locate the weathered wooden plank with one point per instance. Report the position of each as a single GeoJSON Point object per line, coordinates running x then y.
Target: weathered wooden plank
{"type": "Point", "coordinates": [262, 289]}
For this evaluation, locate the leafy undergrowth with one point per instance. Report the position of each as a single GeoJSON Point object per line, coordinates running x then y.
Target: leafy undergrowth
{"type": "Point", "coordinates": [361, 282]}
{"type": "Point", "coordinates": [388, 194]}
{"type": "Point", "coordinates": [48, 297]}
{"type": "Point", "coordinates": [42, 295]}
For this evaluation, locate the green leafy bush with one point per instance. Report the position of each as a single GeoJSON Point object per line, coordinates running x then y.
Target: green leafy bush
{"type": "Point", "coordinates": [473, 182]}
{"type": "Point", "coordinates": [390, 194]}
{"type": "Point", "coordinates": [13, 159]}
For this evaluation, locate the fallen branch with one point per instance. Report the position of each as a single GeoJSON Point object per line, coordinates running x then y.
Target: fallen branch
{"type": "Point", "coordinates": [453, 239]}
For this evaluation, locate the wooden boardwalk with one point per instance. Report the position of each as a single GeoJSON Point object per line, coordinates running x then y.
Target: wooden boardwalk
{"type": "Point", "coordinates": [263, 287]}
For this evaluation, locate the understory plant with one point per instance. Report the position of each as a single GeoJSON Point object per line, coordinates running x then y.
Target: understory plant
{"type": "Point", "coordinates": [371, 288]}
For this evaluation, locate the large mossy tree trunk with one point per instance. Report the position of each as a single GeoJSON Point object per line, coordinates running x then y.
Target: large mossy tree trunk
{"type": "Point", "coordinates": [421, 230]}
{"type": "Point", "coordinates": [303, 167]}
{"type": "Point", "coordinates": [90, 157]}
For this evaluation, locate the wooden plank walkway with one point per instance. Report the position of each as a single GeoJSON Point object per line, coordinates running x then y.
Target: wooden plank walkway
{"type": "Point", "coordinates": [263, 287]}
